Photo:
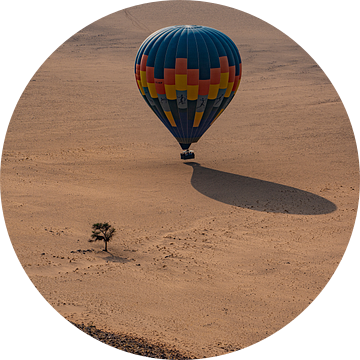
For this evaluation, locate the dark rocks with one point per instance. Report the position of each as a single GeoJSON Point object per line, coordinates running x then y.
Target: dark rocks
{"type": "Point", "coordinates": [133, 344]}
{"type": "Point", "coordinates": [81, 251]}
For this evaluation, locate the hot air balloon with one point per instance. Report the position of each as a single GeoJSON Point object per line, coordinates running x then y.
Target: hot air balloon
{"type": "Point", "coordinates": [188, 74]}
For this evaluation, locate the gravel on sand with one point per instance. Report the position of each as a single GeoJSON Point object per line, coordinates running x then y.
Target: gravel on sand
{"type": "Point", "coordinates": [134, 344]}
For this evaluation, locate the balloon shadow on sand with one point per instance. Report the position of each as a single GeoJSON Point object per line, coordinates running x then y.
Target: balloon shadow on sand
{"type": "Point", "coordinates": [256, 194]}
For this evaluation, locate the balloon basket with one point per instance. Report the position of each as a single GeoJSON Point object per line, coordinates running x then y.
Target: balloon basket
{"type": "Point", "coordinates": [187, 154]}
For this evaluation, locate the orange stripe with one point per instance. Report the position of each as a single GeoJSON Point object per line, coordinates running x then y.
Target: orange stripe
{"type": "Point", "coordinates": [143, 63]}
{"type": "Point", "coordinates": [231, 73]}
{"type": "Point", "coordinates": [240, 70]}
{"type": "Point", "coordinates": [204, 86]}
{"type": "Point", "coordinates": [193, 77]}
{"type": "Point", "coordinates": [224, 64]}
{"type": "Point", "coordinates": [215, 76]}
{"type": "Point", "coordinates": [137, 75]}
{"type": "Point", "coordinates": [149, 74]}
{"type": "Point", "coordinates": [235, 82]}
{"type": "Point", "coordinates": [169, 76]}
{"type": "Point", "coordinates": [159, 86]}
{"type": "Point", "coordinates": [237, 86]}
{"type": "Point", "coordinates": [181, 66]}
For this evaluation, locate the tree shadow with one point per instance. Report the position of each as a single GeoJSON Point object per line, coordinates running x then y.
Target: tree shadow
{"type": "Point", "coordinates": [256, 194]}
{"type": "Point", "coordinates": [115, 258]}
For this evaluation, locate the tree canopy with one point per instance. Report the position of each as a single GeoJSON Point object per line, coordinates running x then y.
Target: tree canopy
{"type": "Point", "coordinates": [102, 231]}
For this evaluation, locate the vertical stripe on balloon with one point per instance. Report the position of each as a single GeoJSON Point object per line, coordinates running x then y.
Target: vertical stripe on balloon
{"type": "Point", "coordinates": [193, 83]}
{"type": "Point", "coordinates": [231, 80]}
{"type": "Point", "coordinates": [169, 79]}
{"type": "Point", "coordinates": [170, 118]}
{"type": "Point", "coordinates": [159, 86]}
{"type": "Point", "coordinates": [150, 81]}
{"type": "Point", "coordinates": [181, 74]}
{"type": "Point", "coordinates": [215, 77]}
{"type": "Point", "coordinates": [197, 119]}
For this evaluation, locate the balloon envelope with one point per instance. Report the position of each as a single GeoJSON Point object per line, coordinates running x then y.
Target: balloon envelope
{"type": "Point", "coordinates": [188, 74]}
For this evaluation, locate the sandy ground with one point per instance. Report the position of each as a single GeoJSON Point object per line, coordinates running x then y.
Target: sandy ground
{"type": "Point", "coordinates": [212, 255]}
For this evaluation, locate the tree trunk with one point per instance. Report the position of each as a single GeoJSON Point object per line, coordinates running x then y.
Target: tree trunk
{"type": "Point", "coordinates": [105, 245]}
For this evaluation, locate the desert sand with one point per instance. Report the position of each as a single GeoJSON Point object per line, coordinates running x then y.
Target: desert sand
{"type": "Point", "coordinates": [211, 255]}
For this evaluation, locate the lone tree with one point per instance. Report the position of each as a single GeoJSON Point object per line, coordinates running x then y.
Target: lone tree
{"type": "Point", "coordinates": [102, 231]}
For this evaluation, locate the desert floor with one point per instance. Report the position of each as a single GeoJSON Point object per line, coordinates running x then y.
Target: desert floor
{"type": "Point", "coordinates": [211, 255]}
